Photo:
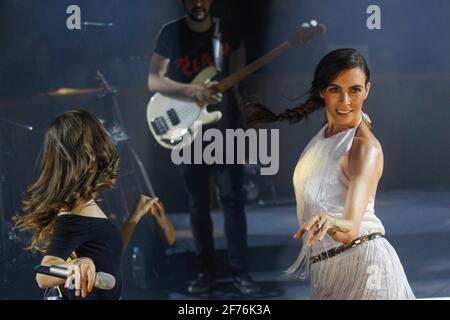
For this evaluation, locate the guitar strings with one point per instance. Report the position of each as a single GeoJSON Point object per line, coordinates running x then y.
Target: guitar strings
{"type": "Point", "coordinates": [187, 111]}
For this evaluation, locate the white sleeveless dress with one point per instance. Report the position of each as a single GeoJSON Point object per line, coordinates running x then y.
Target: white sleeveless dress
{"type": "Point", "coordinates": [369, 271]}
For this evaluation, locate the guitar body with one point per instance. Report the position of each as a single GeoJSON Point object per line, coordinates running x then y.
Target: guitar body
{"type": "Point", "coordinates": [171, 120]}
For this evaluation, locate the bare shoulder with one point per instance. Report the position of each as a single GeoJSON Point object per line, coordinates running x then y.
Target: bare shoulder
{"type": "Point", "coordinates": [366, 151]}
{"type": "Point", "coordinates": [365, 141]}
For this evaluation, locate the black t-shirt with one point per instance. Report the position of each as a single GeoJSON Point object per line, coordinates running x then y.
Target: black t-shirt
{"type": "Point", "coordinates": [96, 238]}
{"type": "Point", "coordinates": [190, 52]}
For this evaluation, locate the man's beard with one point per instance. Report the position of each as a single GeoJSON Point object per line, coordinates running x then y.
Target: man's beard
{"type": "Point", "coordinates": [194, 17]}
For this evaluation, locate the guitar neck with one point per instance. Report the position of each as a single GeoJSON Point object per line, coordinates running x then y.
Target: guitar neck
{"type": "Point", "coordinates": [234, 78]}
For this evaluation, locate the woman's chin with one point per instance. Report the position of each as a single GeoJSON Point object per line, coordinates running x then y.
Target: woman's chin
{"type": "Point", "coordinates": [344, 117]}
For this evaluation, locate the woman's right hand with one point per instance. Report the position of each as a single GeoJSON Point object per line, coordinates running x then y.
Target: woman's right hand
{"type": "Point", "coordinates": [320, 225]}
{"type": "Point", "coordinates": [82, 273]}
{"type": "Point", "coordinates": [143, 206]}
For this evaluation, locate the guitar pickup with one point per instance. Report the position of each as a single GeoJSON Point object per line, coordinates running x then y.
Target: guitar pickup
{"type": "Point", "coordinates": [173, 117]}
{"type": "Point", "coordinates": [160, 125]}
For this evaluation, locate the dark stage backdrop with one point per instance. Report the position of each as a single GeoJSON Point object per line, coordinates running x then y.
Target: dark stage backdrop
{"type": "Point", "coordinates": [409, 103]}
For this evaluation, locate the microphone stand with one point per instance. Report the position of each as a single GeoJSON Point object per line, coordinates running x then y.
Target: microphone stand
{"type": "Point", "coordinates": [118, 133]}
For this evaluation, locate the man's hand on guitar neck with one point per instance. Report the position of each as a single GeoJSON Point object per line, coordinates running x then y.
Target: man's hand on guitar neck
{"type": "Point", "coordinates": [204, 93]}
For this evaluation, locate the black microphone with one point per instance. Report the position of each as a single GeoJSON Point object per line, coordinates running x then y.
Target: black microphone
{"type": "Point", "coordinates": [103, 280]}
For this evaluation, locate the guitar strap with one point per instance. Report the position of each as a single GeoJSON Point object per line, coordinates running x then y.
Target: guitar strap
{"type": "Point", "coordinates": [217, 45]}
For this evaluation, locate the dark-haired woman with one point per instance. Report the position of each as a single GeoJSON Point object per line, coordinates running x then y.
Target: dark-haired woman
{"type": "Point", "coordinates": [79, 160]}
{"type": "Point", "coordinates": [335, 181]}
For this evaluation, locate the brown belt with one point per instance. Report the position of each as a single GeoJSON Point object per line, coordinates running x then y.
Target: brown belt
{"type": "Point", "coordinates": [335, 251]}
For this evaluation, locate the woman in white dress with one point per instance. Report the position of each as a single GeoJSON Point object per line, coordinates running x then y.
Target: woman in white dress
{"type": "Point", "coordinates": [344, 249]}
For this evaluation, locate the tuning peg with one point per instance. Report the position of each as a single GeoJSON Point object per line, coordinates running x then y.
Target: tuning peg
{"type": "Point", "coordinates": [313, 23]}
{"type": "Point", "coordinates": [305, 25]}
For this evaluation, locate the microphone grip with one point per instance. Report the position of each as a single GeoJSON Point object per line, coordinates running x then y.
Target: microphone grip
{"type": "Point", "coordinates": [103, 280]}
{"type": "Point", "coordinates": [50, 271]}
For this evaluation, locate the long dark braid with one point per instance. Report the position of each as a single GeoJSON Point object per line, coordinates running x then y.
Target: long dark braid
{"type": "Point", "coordinates": [257, 113]}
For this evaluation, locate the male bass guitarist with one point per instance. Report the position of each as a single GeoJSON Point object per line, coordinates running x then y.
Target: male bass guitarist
{"type": "Point", "coordinates": [183, 49]}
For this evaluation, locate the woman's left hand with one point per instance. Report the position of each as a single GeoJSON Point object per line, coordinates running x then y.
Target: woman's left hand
{"type": "Point", "coordinates": [320, 224]}
{"type": "Point", "coordinates": [82, 273]}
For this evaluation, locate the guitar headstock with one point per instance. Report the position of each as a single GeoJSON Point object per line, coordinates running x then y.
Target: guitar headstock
{"type": "Point", "coordinates": [307, 31]}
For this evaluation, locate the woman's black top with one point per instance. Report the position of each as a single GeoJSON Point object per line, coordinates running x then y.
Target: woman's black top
{"type": "Point", "coordinates": [96, 238]}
